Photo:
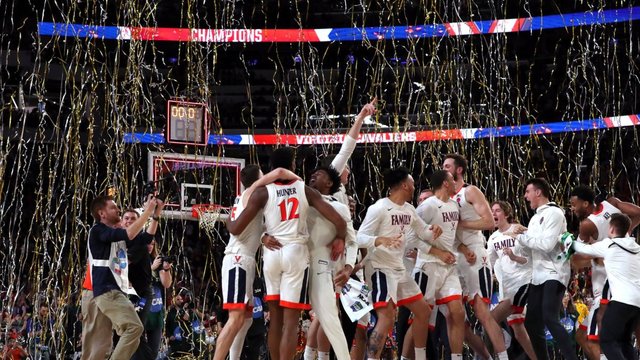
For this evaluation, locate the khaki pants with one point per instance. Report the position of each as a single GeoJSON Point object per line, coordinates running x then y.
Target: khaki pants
{"type": "Point", "coordinates": [96, 330]}
{"type": "Point", "coordinates": [114, 310]}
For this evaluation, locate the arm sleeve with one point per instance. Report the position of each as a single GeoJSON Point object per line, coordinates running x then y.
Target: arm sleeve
{"type": "Point", "coordinates": [109, 235]}
{"type": "Point", "coordinates": [340, 161]}
{"type": "Point", "coordinates": [553, 226]}
{"type": "Point", "coordinates": [351, 245]}
{"type": "Point", "coordinates": [596, 250]}
{"type": "Point", "coordinates": [421, 229]}
{"type": "Point", "coordinates": [146, 237]}
{"type": "Point", "coordinates": [366, 237]}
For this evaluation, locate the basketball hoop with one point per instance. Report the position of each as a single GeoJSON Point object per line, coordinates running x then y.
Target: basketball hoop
{"type": "Point", "coordinates": [207, 215]}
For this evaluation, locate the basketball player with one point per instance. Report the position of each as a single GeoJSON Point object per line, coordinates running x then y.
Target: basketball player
{"type": "Point", "coordinates": [389, 225]}
{"type": "Point", "coordinates": [513, 273]}
{"type": "Point", "coordinates": [239, 266]}
{"type": "Point", "coordinates": [326, 327]}
{"type": "Point", "coordinates": [439, 280]}
{"type": "Point", "coordinates": [594, 226]}
{"type": "Point", "coordinates": [286, 265]}
{"type": "Point", "coordinates": [622, 263]}
{"type": "Point", "coordinates": [473, 264]}
{"type": "Point", "coordinates": [551, 272]}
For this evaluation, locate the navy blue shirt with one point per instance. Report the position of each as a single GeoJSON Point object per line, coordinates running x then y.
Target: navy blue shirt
{"type": "Point", "coordinates": [139, 267]}
{"type": "Point", "coordinates": [100, 238]}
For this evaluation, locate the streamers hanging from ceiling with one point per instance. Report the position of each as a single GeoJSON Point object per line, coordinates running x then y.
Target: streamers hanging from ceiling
{"type": "Point", "coordinates": [78, 78]}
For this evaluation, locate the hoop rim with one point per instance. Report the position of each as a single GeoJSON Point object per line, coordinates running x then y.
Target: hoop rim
{"type": "Point", "coordinates": [198, 209]}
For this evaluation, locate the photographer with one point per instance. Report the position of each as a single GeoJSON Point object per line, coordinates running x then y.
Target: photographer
{"type": "Point", "coordinates": [153, 325]}
{"type": "Point", "coordinates": [179, 329]}
{"type": "Point", "coordinates": [140, 268]}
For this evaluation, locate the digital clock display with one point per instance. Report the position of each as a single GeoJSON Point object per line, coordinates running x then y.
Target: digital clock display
{"type": "Point", "coordinates": [187, 123]}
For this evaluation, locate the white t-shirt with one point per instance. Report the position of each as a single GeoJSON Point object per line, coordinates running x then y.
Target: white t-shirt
{"type": "Point", "coordinates": [509, 273]}
{"type": "Point", "coordinates": [386, 218]}
{"type": "Point", "coordinates": [445, 214]}
{"type": "Point", "coordinates": [322, 231]}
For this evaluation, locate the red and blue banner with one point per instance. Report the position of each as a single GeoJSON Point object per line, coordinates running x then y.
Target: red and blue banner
{"type": "Point", "coordinates": [405, 136]}
{"type": "Point", "coordinates": [127, 33]}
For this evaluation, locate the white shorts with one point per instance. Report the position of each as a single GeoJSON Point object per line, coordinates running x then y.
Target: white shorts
{"type": "Point", "coordinates": [439, 283]}
{"type": "Point", "coordinates": [238, 273]}
{"type": "Point", "coordinates": [590, 322]}
{"type": "Point", "coordinates": [477, 278]}
{"type": "Point", "coordinates": [394, 286]}
{"type": "Point", "coordinates": [286, 274]}
{"type": "Point", "coordinates": [517, 297]}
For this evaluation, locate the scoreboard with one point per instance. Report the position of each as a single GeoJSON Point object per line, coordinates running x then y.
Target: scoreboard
{"type": "Point", "coordinates": [187, 123]}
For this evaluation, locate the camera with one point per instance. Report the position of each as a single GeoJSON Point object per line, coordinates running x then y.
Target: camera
{"type": "Point", "coordinates": [170, 259]}
{"type": "Point", "coordinates": [150, 189]}
{"type": "Point", "coordinates": [163, 188]}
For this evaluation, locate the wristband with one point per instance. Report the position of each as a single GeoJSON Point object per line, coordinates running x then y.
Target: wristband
{"type": "Point", "coordinates": [156, 218]}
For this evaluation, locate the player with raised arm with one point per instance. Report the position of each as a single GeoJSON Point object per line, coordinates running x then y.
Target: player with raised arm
{"type": "Point", "coordinates": [239, 265]}
{"type": "Point", "coordinates": [389, 225]}
{"type": "Point", "coordinates": [437, 278]}
{"type": "Point", "coordinates": [473, 264]}
{"type": "Point", "coordinates": [513, 272]}
{"type": "Point", "coordinates": [339, 161]}
{"type": "Point", "coordinates": [286, 262]}
{"type": "Point", "coordinates": [326, 327]}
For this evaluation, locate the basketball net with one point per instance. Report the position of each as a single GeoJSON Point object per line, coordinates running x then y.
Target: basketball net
{"type": "Point", "coordinates": [207, 215]}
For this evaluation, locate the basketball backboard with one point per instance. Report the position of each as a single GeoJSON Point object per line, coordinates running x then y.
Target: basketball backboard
{"type": "Point", "coordinates": [188, 179]}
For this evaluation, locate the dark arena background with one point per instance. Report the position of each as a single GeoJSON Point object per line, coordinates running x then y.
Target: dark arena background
{"type": "Point", "coordinates": [521, 88]}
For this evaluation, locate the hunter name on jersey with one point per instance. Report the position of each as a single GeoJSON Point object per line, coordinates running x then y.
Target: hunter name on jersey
{"type": "Point", "coordinates": [286, 192]}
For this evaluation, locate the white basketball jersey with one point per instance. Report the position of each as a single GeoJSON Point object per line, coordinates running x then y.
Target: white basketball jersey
{"type": "Point", "coordinates": [600, 218]}
{"type": "Point", "coordinates": [285, 214]}
{"type": "Point", "coordinates": [444, 214]}
{"type": "Point", "coordinates": [247, 242]}
{"type": "Point", "coordinates": [388, 219]}
{"type": "Point", "coordinates": [467, 212]}
{"type": "Point", "coordinates": [511, 274]}
{"type": "Point", "coordinates": [322, 231]}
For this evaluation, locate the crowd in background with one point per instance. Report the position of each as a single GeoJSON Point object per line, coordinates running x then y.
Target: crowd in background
{"type": "Point", "coordinates": [35, 326]}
